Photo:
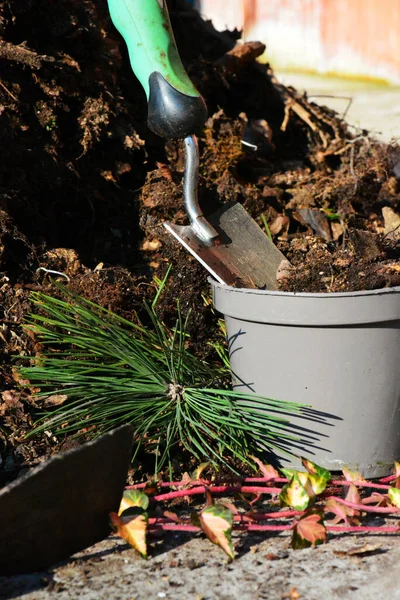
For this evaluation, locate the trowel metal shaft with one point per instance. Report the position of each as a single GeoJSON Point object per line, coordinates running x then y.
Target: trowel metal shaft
{"type": "Point", "coordinates": [205, 231]}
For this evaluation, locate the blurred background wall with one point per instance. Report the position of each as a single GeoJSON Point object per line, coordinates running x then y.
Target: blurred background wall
{"type": "Point", "coordinates": [357, 38]}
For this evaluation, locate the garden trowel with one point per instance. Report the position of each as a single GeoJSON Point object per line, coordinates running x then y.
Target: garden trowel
{"type": "Point", "coordinates": [228, 243]}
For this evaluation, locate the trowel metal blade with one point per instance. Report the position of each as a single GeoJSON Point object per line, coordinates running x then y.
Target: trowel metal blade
{"type": "Point", "coordinates": [63, 505]}
{"type": "Point", "coordinates": [243, 255]}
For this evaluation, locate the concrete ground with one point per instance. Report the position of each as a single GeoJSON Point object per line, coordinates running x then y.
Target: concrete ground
{"type": "Point", "coordinates": [374, 106]}
{"type": "Point", "coordinates": [193, 569]}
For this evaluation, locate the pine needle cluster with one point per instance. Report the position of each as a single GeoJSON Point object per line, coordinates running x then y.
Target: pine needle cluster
{"type": "Point", "coordinates": [113, 371]}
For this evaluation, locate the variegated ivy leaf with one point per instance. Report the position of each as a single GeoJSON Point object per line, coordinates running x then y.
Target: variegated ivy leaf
{"type": "Point", "coordinates": [216, 522]}
{"type": "Point", "coordinates": [396, 482]}
{"type": "Point", "coordinates": [319, 477]}
{"type": "Point", "coordinates": [294, 493]}
{"type": "Point", "coordinates": [394, 496]}
{"type": "Point", "coordinates": [288, 472]}
{"type": "Point", "coordinates": [315, 483]}
{"type": "Point", "coordinates": [133, 498]}
{"type": "Point", "coordinates": [132, 529]}
{"type": "Point", "coordinates": [309, 530]}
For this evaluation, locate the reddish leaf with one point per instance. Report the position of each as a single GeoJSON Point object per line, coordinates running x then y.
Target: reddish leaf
{"type": "Point", "coordinates": [309, 530]}
{"type": "Point", "coordinates": [171, 515]}
{"type": "Point", "coordinates": [132, 529]}
{"type": "Point", "coordinates": [342, 512]}
{"type": "Point", "coordinates": [352, 495]}
{"type": "Point", "coordinates": [352, 475]}
{"type": "Point", "coordinates": [209, 498]}
{"type": "Point", "coordinates": [216, 522]}
{"type": "Point", "coordinates": [268, 471]}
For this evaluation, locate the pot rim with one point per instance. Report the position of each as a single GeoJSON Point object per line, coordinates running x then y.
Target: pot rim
{"type": "Point", "coordinates": [374, 292]}
{"type": "Point", "coordinates": [306, 309]}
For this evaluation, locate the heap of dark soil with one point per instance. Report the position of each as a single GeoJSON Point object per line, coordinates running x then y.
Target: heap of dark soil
{"type": "Point", "coordinates": [85, 186]}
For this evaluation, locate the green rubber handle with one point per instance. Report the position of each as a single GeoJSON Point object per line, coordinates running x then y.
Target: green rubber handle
{"type": "Point", "coordinates": [176, 108]}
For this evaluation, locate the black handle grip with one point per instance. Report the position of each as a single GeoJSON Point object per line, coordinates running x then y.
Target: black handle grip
{"type": "Point", "coordinates": [172, 114]}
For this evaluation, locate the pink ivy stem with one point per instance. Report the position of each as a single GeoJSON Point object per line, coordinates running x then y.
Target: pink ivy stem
{"type": "Point", "coordinates": [199, 482]}
{"type": "Point", "coordinates": [174, 527]}
{"type": "Point", "coordinates": [284, 514]}
{"type": "Point", "coordinates": [250, 527]}
{"type": "Point", "coordinates": [243, 527]}
{"type": "Point", "coordinates": [372, 500]}
{"type": "Point", "coordinates": [241, 518]}
{"type": "Point", "coordinates": [256, 527]}
{"type": "Point", "coordinates": [388, 479]}
{"type": "Point", "coordinates": [365, 508]}
{"type": "Point", "coordinates": [365, 484]}
{"type": "Point", "coordinates": [216, 489]}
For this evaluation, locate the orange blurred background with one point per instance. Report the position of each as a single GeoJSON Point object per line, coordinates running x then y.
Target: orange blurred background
{"type": "Point", "coordinates": [356, 38]}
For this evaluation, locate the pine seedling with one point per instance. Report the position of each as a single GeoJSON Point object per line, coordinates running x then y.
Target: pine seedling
{"type": "Point", "coordinates": [113, 371]}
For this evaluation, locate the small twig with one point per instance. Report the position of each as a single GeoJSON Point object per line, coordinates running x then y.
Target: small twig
{"type": "Point", "coordinates": [351, 166]}
{"type": "Point", "coordinates": [350, 144]}
{"type": "Point", "coordinates": [8, 92]}
{"type": "Point", "coordinates": [349, 98]}
{"type": "Point", "coordinates": [362, 484]}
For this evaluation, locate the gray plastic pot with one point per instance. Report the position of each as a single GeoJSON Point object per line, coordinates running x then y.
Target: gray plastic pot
{"type": "Point", "coordinates": [338, 353]}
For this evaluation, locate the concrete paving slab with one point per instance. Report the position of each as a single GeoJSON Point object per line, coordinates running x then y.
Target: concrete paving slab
{"type": "Point", "coordinates": [190, 568]}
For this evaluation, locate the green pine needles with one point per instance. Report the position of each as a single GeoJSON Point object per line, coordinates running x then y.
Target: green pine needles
{"type": "Point", "coordinates": [113, 371]}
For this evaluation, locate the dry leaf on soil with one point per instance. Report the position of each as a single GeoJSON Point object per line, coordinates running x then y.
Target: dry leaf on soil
{"type": "Point", "coordinates": [358, 550]}
{"type": "Point", "coordinates": [352, 475]}
{"type": "Point", "coordinates": [268, 471]}
{"type": "Point", "coordinates": [132, 529]}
